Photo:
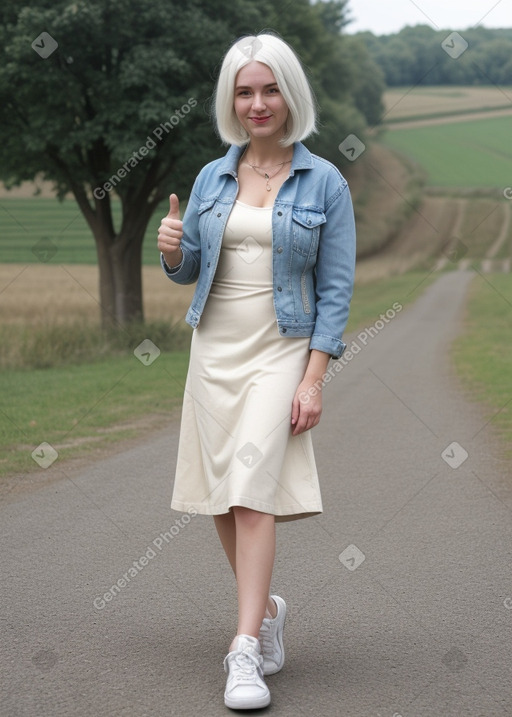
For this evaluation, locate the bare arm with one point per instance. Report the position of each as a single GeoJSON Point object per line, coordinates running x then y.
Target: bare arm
{"type": "Point", "coordinates": [307, 402]}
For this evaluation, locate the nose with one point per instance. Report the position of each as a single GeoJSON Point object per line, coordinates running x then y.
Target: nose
{"type": "Point", "coordinates": [257, 102]}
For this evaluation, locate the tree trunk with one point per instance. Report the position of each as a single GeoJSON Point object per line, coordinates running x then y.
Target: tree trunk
{"type": "Point", "coordinates": [106, 282]}
{"type": "Point", "coordinates": [127, 265]}
{"type": "Point", "coordinates": [120, 255]}
{"type": "Point", "coordinates": [120, 280]}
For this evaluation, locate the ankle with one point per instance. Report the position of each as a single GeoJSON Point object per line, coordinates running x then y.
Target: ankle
{"type": "Point", "coordinates": [234, 643]}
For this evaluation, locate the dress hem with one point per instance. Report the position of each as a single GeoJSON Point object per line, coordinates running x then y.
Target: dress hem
{"type": "Point", "coordinates": [286, 513]}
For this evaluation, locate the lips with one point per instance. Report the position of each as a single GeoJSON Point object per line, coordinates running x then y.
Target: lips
{"type": "Point", "coordinates": [260, 120]}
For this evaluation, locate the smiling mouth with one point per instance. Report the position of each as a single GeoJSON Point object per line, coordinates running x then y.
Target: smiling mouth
{"type": "Point", "coordinates": [260, 120]}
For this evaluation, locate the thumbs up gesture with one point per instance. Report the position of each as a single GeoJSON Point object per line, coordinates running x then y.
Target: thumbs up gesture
{"type": "Point", "coordinates": [170, 232]}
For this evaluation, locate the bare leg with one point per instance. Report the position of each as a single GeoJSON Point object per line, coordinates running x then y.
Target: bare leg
{"type": "Point", "coordinates": [243, 525]}
{"type": "Point", "coordinates": [255, 551]}
{"type": "Point", "coordinates": [226, 529]}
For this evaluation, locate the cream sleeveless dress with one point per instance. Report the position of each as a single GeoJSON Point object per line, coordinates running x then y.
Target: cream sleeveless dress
{"type": "Point", "coordinates": [236, 445]}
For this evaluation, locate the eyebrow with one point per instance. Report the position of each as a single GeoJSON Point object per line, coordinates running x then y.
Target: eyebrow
{"type": "Point", "coordinates": [247, 87]}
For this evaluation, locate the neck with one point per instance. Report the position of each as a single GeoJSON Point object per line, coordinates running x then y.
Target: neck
{"type": "Point", "coordinates": [262, 154]}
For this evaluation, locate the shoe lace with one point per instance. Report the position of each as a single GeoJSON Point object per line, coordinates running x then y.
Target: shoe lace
{"type": "Point", "coordinates": [247, 665]}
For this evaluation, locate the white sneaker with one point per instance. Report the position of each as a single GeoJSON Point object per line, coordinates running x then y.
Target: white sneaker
{"type": "Point", "coordinates": [271, 638]}
{"type": "Point", "coordinates": [245, 687]}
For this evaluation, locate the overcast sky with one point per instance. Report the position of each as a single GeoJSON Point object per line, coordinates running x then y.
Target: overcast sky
{"type": "Point", "coordinates": [387, 16]}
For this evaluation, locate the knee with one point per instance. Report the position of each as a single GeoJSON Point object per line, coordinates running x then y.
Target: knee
{"type": "Point", "coordinates": [249, 518]}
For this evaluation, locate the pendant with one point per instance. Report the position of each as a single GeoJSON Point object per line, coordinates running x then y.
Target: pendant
{"type": "Point", "coordinates": [269, 188]}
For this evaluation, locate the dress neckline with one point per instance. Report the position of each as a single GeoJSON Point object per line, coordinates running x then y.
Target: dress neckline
{"type": "Point", "coordinates": [251, 206]}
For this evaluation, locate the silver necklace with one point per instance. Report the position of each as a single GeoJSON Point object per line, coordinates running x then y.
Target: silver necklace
{"type": "Point", "coordinates": [263, 173]}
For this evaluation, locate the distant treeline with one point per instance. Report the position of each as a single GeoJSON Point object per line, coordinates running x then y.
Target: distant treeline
{"type": "Point", "coordinates": [415, 56]}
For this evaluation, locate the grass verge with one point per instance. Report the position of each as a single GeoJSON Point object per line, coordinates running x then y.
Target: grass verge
{"type": "Point", "coordinates": [77, 408]}
{"type": "Point", "coordinates": [87, 404]}
{"type": "Point", "coordinates": [482, 353]}
{"type": "Point", "coordinates": [52, 345]}
{"type": "Point", "coordinates": [371, 300]}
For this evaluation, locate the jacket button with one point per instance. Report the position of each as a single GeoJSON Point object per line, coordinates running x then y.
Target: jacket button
{"type": "Point", "coordinates": [279, 288]}
{"type": "Point", "coordinates": [279, 249]}
{"type": "Point", "coordinates": [209, 246]}
{"type": "Point", "coordinates": [309, 221]}
{"type": "Point", "coordinates": [279, 214]}
{"type": "Point", "coordinates": [283, 331]}
{"type": "Point", "coordinates": [208, 264]}
{"type": "Point", "coordinates": [219, 214]}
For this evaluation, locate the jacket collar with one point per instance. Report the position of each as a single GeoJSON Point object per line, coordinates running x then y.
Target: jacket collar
{"type": "Point", "coordinates": [302, 159]}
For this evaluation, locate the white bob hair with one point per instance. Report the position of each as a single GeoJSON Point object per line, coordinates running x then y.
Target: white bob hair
{"type": "Point", "coordinates": [291, 79]}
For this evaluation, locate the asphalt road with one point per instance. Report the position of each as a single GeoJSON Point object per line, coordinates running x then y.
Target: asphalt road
{"type": "Point", "coordinates": [399, 595]}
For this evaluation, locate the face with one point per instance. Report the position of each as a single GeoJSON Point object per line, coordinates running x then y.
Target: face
{"type": "Point", "coordinates": [259, 104]}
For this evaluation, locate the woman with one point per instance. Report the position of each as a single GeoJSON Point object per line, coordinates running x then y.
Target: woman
{"type": "Point", "coordinates": [269, 236]}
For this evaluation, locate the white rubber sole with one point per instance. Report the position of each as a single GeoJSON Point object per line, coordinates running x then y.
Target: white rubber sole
{"type": "Point", "coordinates": [248, 703]}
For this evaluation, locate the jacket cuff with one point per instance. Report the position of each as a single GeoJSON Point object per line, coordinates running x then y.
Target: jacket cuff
{"type": "Point", "coordinates": [168, 270]}
{"type": "Point", "coordinates": [328, 344]}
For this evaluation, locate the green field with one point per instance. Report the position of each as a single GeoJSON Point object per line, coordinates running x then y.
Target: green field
{"type": "Point", "coordinates": [25, 222]}
{"type": "Point", "coordinates": [476, 153]}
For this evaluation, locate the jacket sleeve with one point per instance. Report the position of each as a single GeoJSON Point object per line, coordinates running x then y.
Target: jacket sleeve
{"type": "Point", "coordinates": [334, 272]}
{"type": "Point", "coordinates": [187, 270]}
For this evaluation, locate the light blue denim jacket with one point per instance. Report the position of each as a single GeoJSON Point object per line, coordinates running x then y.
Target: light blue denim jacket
{"type": "Point", "coordinates": [313, 245]}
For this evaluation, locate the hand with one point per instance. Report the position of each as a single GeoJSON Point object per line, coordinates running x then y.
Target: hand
{"type": "Point", "coordinates": [306, 407]}
{"type": "Point", "coordinates": [170, 232]}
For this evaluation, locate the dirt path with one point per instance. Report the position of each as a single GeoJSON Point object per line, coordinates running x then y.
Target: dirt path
{"type": "Point", "coordinates": [433, 237]}
{"type": "Point", "coordinates": [451, 248]}
{"type": "Point", "coordinates": [420, 241]}
{"type": "Point", "coordinates": [399, 596]}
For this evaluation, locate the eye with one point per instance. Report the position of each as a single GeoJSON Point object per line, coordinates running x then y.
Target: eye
{"type": "Point", "coordinates": [274, 89]}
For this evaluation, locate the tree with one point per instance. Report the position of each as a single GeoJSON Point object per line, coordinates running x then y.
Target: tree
{"type": "Point", "coordinates": [493, 61]}
{"type": "Point", "coordinates": [118, 107]}
{"type": "Point", "coordinates": [340, 68]}
{"type": "Point", "coordinates": [415, 55]}
{"type": "Point", "coordinates": [368, 84]}
{"type": "Point", "coordinates": [111, 98]}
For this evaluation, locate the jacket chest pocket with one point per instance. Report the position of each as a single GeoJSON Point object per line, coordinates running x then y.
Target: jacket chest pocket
{"type": "Point", "coordinates": [204, 212]}
{"type": "Point", "coordinates": [306, 225]}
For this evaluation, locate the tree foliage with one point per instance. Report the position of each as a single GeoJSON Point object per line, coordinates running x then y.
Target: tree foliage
{"type": "Point", "coordinates": [415, 56]}
{"type": "Point", "coordinates": [120, 108]}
